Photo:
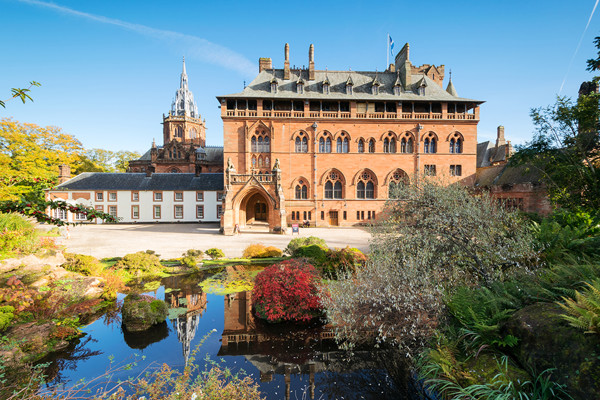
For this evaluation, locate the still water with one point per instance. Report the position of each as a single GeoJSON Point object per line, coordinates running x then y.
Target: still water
{"type": "Point", "coordinates": [287, 361]}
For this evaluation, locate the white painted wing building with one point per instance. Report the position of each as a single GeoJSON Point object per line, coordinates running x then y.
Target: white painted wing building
{"type": "Point", "coordinates": [143, 198]}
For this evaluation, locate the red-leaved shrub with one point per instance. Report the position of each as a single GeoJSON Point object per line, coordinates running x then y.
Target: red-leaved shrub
{"type": "Point", "coordinates": [287, 291]}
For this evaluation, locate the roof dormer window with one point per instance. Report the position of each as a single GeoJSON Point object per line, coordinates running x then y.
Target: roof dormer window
{"type": "Point", "coordinates": [326, 87]}
{"type": "Point", "coordinates": [349, 85]}
{"type": "Point", "coordinates": [375, 89]}
{"type": "Point", "coordinates": [422, 91]}
{"type": "Point", "coordinates": [300, 87]}
{"type": "Point", "coordinates": [397, 90]}
{"type": "Point", "coordinates": [349, 89]}
{"type": "Point", "coordinates": [274, 85]}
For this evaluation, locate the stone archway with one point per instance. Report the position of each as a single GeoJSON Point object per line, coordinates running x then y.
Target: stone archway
{"type": "Point", "coordinates": [256, 208]}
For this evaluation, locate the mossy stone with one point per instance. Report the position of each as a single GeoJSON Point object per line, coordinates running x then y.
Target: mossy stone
{"type": "Point", "coordinates": [141, 312]}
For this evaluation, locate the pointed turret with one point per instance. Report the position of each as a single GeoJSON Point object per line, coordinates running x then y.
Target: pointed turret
{"type": "Point", "coordinates": [398, 82]}
{"type": "Point", "coordinates": [184, 104]}
{"type": "Point", "coordinates": [450, 89]}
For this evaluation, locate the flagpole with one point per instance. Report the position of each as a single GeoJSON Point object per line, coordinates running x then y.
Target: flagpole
{"type": "Point", "coordinates": [388, 52]}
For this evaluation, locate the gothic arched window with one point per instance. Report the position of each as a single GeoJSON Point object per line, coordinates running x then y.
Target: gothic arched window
{"type": "Point", "coordinates": [345, 145]}
{"type": "Point", "coordinates": [328, 145]}
{"type": "Point", "coordinates": [429, 144]}
{"type": "Point", "coordinates": [397, 180]}
{"type": "Point", "coordinates": [372, 146]}
{"type": "Point", "coordinates": [333, 186]}
{"type": "Point", "coordinates": [386, 145]}
{"type": "Point", "coordinates": [339, 145]}
{"type": "Point", "coordinates": [365, 187]}
{"type": "Point", "coordinates": [361, 146]}
{"type": "Point", "coordinates": [179, 132]}
{"type": "Point", "coordinates": [253, 146]}
{"type": "Point", "coordinates": [301, 192]}
{"type": "Point", "coordinates": [322, 145]}
{"type": "Point", "coordinates": [253, 162]}
{"type": "Point", "coordinates": [193, 133]}
{"type": "Point", "coordinates": [298, 145]}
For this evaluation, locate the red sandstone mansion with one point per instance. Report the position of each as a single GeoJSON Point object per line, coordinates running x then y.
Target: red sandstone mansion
{"type": "Point", "coordinates": [327, 146]}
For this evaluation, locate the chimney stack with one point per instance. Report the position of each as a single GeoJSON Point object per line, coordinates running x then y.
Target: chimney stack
{"type": "Point", "coordinates": [311, 63]}
{"type": "Point", "coordinates": [264, 63]}
{"type": "Point", "coordinates": [64, 173]}
{"type": "Point", "coordinates": [286, 64]}
{"type": "Point", "coordinates": [500, 139]}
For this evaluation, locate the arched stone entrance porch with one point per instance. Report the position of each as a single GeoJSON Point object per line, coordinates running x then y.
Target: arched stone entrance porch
{"type": "Point", "coordinates": [254, 208]}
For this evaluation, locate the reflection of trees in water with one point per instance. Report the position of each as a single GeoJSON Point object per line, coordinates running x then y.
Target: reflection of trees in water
{"type": "Point", "coordinates": [67, 360]}
{"type": "Point", "coordinates": [113, 314]}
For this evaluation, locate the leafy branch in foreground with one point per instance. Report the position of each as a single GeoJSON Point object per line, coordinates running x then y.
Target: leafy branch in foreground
{"type": "Point", "coordinates": [22, 94]}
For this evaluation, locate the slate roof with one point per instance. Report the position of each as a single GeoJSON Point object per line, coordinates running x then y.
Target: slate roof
{"type": "Point", "coordinates": [214, 154]}
{"type": "Point", "coordinates": [141, 182]}
{"type": "Point", "coordinates": [362, 81]}
{"type": "Point", "coordinates": [487, 154]}
{"type": "Point", "coordinates": [507, 175]}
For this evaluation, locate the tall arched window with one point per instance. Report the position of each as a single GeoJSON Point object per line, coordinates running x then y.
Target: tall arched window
{"type": "Point", "coordinates": [398, 179]}
{"type": "Point", "coordinates": [426, 146]}
{"type": "Point", "coordinates": [260, 162]}
{"type": "Point", "coordinates": [365, 187]}
{"type": "Point", "coordinates": [179, 132]}
{"type": "Point", "coordinates": [260, 144]}
{"type": "Point", "coordinates": [267, 163]}
{"type": "Point", "coordinates": [386, 145]}
{"type": "Point", "coordinates": [456, 144]}
{"type": "Point", "coordinates": [304, 145]}
{"type": "Point", "coordinates": [409, 146]}
{"type": "Point", "coordinates": [193, 133]}
{"type": "Point", "coordinates": [333, 186]}
{"type": "Point", "coordinates": [298, 145]}
{"type": "Point", "coordinates": [372, 146]}
{"type": "Point", "coordinates": [429, 144]}
{"type": "Point", "coordinates": [361, 146]}
{"type": "Point", "coordinates": [360, 190]}
{"type": "Point", "coordinates": [322, 145]}
{"type": "Point", "coordinates": [459, 147]}
{"type": "Point", "coordinates": [392, 145]}
{"type": "Point", "coordinates": [345, 145]}
{"type": "Point", "coordinates": [339, 145]}
{"type": "Point", "coordinates": [253, 162]}
{"type": "Point", "coordinates": [266, 145]}
{"type": "Point", "coordinates": [328, 145]}
{"type": "Point", "coordinates": [432, 146]}
{"type": "Point", "coordinates": [253, 146]}
{"type": "Point", "coordinates": [301, 192]}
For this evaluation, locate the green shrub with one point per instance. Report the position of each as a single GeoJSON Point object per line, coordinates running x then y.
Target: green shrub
{"type": "Point", "coordinates": [261, 251]}
{"type": "Point", "coordinates": [191, 258]}
{"type": "Point", "coordinates": [343, 261]}
{"type": "Point", "coordinates": [140, 263]}
{"type": "Point", "coordinates": [294, 244]}
{"type": "Point", "coordinates": [584, 311]}
{"type": "Point", "coordinates": [6, 316]}
{"type": "Point", "coordinates": [82, 264]}
{"type": "Point", "coordinates": [215, 253]}
{"type": "Point", "coordinates": [16, 234]}
{"type": "Point", "coordinates": [316, 253]}
{"type": "Point", "coordinates": [194, 253]}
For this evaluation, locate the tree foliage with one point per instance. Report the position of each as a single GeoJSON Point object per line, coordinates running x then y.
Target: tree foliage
{"type": "Point", "coordinates": [430, 239]}
{"type": "Point", "coordinates": [566, 148]}
{"type": "Point", "coordinates": [29, 158]}
{"type": "Point", "coordinates": [102, 160]}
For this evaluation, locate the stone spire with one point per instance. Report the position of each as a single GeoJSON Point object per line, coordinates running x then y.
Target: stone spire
{"type": "Point", "coordinates": [450, 89]}
{"type": "Point", "coordinates": [184, 104]}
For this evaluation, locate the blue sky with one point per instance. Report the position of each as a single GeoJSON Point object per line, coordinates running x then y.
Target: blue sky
{"type": "Point", "coordinates": [109, 69]}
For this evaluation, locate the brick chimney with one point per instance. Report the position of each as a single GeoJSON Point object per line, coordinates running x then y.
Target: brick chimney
{"type": "Point", "coordinates": [286, 64]}
{"type": "Point", "coordinates": [264, 63]}
{"type": "Point", "coordinates": [149, 171]}
{"type": "Point", "coordinates": [311, 63]}
{"type": "Point", "coordinates": [500, 139]}
{"type": "Point", "coordinates": [64, 173]}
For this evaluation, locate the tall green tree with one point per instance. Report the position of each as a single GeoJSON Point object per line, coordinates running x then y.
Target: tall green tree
{"type": "Point", "coordinates": [566, 148]}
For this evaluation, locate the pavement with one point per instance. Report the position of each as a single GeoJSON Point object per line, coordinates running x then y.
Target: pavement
{"type": "Point", "coordinates": [171, 240]}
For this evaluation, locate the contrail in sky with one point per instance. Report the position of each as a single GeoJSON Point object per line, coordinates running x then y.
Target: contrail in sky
{"type": "Point", "coordinates": [195, 46]}
{"type": "Point", "coordinates": [578, 45]}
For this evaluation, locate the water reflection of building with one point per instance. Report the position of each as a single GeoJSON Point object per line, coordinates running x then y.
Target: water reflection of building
{"type": "Point", "coordinates": [275, 350]}
{"type": "Point", "coordinates": [189, 304]}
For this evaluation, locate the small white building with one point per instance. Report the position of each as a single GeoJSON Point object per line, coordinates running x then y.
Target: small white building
{"type": "Point", "coordinates": [143, 198]}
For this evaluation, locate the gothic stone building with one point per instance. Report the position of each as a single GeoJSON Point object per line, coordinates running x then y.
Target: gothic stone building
{"type": "Point", "coordinates": [326, 146]}
{"type": "Point", "coordinates": [184, 140]}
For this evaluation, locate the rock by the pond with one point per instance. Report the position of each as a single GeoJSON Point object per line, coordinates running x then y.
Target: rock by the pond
{"type": "Point", "coordinates": [140, 312]}
{"type": "Point", "coordinates": [547, 341]}
{"type": "Point", "coordinates": [33, 341]}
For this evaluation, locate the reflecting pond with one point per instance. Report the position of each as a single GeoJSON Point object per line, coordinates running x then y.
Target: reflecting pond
{"type": "Point", "coordinates": [287, 361]}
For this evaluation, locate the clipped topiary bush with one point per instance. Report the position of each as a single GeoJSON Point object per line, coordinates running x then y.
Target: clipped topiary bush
{"type": "Point", "coordinates": [316, 253]}
{"type": "Point", "coordinates": [343, 261]}
{"type": "Point", "coordinates": [141, 263]}
{"type": "Point", "coordinates": [215, 253]}
{"type": "Point", "coordinates": [294, 244]}
{"type": "Point", "coordinates": [261, 251]}
{"type": "Point", "coordinates": [6, 316]}
{"type": "Point", "coordinates": [140, 312]}
{"type": "Point", "coordinates": [287, 291]}
{"type": "Point", "coordinates": [82, 264]}
{"type": "Point", "coordinates": [191, 258]}
{"type": "Point", "coordinates": [16, 234]}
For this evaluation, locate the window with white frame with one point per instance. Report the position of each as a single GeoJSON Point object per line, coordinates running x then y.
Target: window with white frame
{"type": "Point", "coordinates": [157, 212]}
{"type": "Point", "coordinates": [135, 196]}
{"type": "Point", "coordinates": [80, 216]}
{"type": "Point", "coordinates": [112, 210]}
{"type": "Point", "coordinates": [135, 212]}
{"type": "Point", "coordinates": [219, 196]}
{"type": "Point", "coordinates": [112, 196]}
{"type": "Point", "coordinates": [219, 210]}
{"type": "Point", "coordinates": [200, 212]}
{"type": "Point", "coordinates": [178, 211]}
{"type": "Point", "coordinates": [178, 196]}
{"type": "Point", "coordinates": [99, 196]}
{"type": "Point", "coordinates": [157, 196]}
{"type": "Point", "coordinates": [199, 196]}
